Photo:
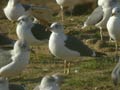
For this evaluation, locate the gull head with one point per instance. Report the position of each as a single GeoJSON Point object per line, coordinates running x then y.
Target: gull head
{"type": "Point", "coordinates": [25, 21]}
{"type": "Point", "coordinates": [48, 81]}
{"type": "Point", "coordinates": [56, 27]}
{"type": "Point", "coordinates": [21, 46]}
{"type": "Point", "coordinates": [115, 11]}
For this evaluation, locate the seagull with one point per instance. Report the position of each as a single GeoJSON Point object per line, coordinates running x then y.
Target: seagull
{"type": "Point", "coordinates": [14, 61]}
{"type": "Point", "coordinates": [101, 15]}
{"type": "Point", "coordinates": [31, 32]}
{"type": "Point", "coordinates": [48, 83]}
{"type": "Point", "coordinates": [15, 9]}
{"type": "Point", "coordinates": [113, 26]}
{"type": "Point", "coordinates": [65, 46]}
{"type": "Point", "coordinates": [116, 74]}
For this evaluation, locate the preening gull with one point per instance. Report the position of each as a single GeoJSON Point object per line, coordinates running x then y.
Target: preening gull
{"type": "Point", "coordinates": [49, 83]}
{"type": "Point", "coordinates": [14, 61]}
{"type": "Point", "coordinates": [67, 47]}
{"type": "Point", "coordinates": [113, 26]}
{"type": "Point", "coordinates": [31, 32]}
{"type": "Point", "coordinates": [100, 15]}
{"type": "Point", "coordinates": [15, 9]}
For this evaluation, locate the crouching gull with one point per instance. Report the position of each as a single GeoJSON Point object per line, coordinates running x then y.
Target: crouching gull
{"type": "Point", "coordinates": [100, 15]}
{"type": "Point", "coordinates": [67, 47]}
{"type": "Point", "coordinates": [49, 83]}
{"type": "Point", "coordinates": [15, 9]}
{"type": "Point", "coordinates": [4, 85]}
{"type": "Point", "coordinates": [113, 26]}
{"type": "Point", "coordinates": [14, 61]}
{"type": "Point", "coordinates": [31, 32]}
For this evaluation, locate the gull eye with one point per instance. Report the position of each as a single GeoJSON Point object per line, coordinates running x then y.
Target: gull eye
{"type": "Point", "coordinates": [56, 26]}
{"type": "Point", "coordinates": [23, 19]}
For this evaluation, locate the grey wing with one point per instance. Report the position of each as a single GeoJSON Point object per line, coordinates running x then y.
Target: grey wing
{"type": "Point", "coordinates": [39, 32]}
{"type": "Point", "coordinates": [5, 58]}
{"type": "Point", "coordinates": [95, 17]}
{"type": "Point", "coordinates": [77, 45]}
{"type": "Point", "coordinates": [36, 88]}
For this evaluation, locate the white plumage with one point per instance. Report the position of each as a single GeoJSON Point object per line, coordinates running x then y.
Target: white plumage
{"type": "Point", "coordinates": [113, 26]}
{"type": "Point", "coordinates": [101, 15]}
{"type": "Point", "coordinates": [48, 83]}
{"type": "Point", "coordinates": [19, 58]}
{"type": "Point", "coordinates": [14, 10]}
{"type": "Point", "coordinates": [31, 32]}
{"type": "Point", "coordinates": [64, 46]}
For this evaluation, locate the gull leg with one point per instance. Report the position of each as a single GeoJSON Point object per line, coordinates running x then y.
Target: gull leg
{"type": "Point", "coordinates": [65, 66]}
{"type": "Point", "coordinates": [69, 67]}
{"type": "Point", "coordinates": [62, 13]}
{"type": "Point", "coordinates": [110, 39]}
{"type": "Point", "coordinates": [116, 47]}
{"type": "Point", "coordinates": [71, 13]}
{"type": "Point", "coordinates": [116, 51]}
{"type": "Point", "coordinates": [101, 33]}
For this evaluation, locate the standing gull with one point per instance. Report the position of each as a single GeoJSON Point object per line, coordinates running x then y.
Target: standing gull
{"type": "Point", "coordinates": [113, 26]}
{"type": "Point", "coordinates": [31, 32]}
{"type": "Point", "coordinates": [48, 83]}
{"type": "Point", "coordinates": [14, 61]}
{"type": "Point", "coordinates": [67, 47]}
{"type": "Point", "coordinates": [100, 15]}
{"type": "Point", "coordinates": [15, 9]}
